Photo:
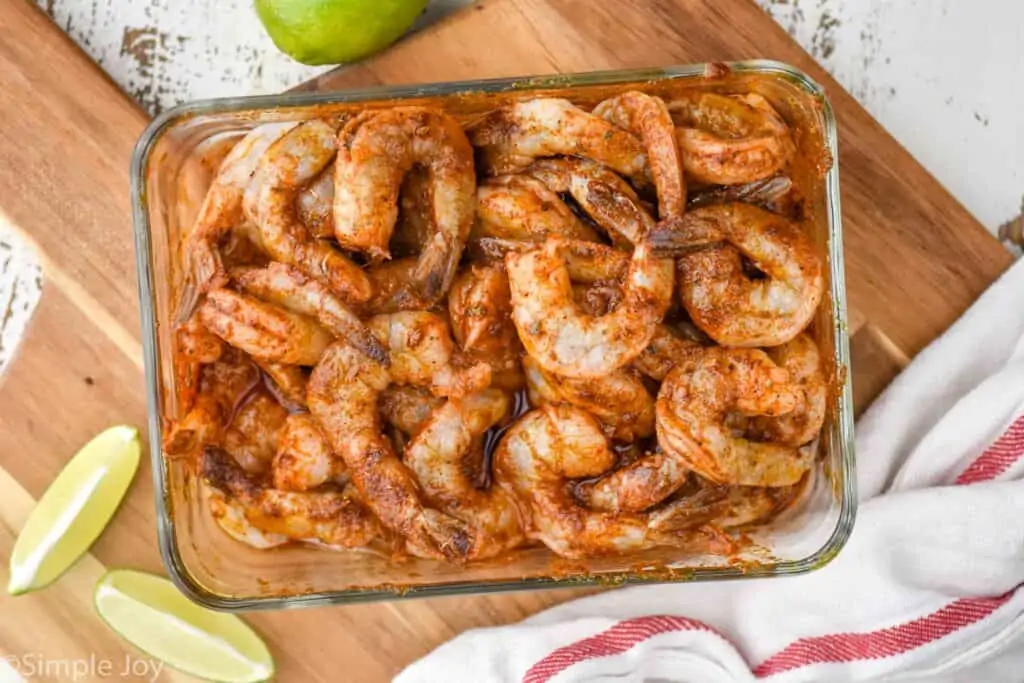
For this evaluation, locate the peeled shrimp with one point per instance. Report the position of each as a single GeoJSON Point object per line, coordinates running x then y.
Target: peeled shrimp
{"type": "Point", "coordinates": [510, 138]}
{"type": "Point", "coordinates": [270, 202]}
{"type": "Point", "coordinates": [194, 346]}
{"type": "Point", "coordinates": [730, 139]}
{"type": "Point", "coordinates": [744, 376]}
{"type": "Point", "coordinates": [287, 287]}
{"type": "Point", "coordinates": [523, 208]}
{"type": "Point", "coordinates": [665, 351]}
{"type": "Point", "coordinates": [343, 394]}
{"type": "Point", "coordinates": [436, 455]}
{"type": "Point", "coordinates": [251, 438]}
{"type": "Point", "coordinates": [303, 459]}
{"type": "Point", "coordinates": [539, 456]}
{"type": "Point", "coordinates": [777, 194]}
{"type": "Point", "coordinates": [695, 401]}
{"type": "Point", "coordinates": [220, 212]}
{"type": "Point", "coordinates": [407, 408]}
{"type": "Point", "coordinates": [391, 291]}
{"type": "Point", "coordinates": [315, 205]}
{"type": "Point", "coordinates": [721, 298]}
{"type": "Point", "coordinates": [263, 330]}
{"type": "Point", "coordinates": [619, 400]}
{"type": "Point", "coordinates": [221, 388]}
{"type": "Point", "coordinates": [568, 342]}
{"type": "Point", "coordinates": [286, 382]}
{"type": "Point", "coordinates": [597, 299]}
{"type": "Point", "coordinates": [480, 309]}
{"type": "Point", "coordinates": [801, 359]}
{"type": "Point", "coordinates": [415, 224]}
{"type": "Point", "coordinates": [375, 151]}
{"type": "Point", "coordinates": [648, 118]}
{"type": "Point", "coordinates": [601, 193]}
{"type": "Point", "coordinates": [726, 507]}
{"type": "Point", "coordinates": [423, 353]}
{"type": "Point", "coordinates": [334, 519]}
{"type": "Point", "coordinates": [636, 486]}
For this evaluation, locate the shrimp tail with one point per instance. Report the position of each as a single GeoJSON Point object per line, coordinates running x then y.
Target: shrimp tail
{"type": "Point", "coordinates": [453, 537]}
{"type": "Point", "coordinates": [436, 268]}
{"type": "Point", "coordinates": [188, 301]}
{"type": "Point", "coordinates": [679, 235]}
{"type": "Point", "coordinates": [346, 324]}
{"type": "Point", "coordinates": [690, 512]}
{"type": "Point", "coordinates": [204, 271]}
{"type": "Point", "coordinates": [221, 471]}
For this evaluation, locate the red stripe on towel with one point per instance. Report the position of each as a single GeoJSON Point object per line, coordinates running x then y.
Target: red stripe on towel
{"type": "Point", "coordinates": [998, 457]}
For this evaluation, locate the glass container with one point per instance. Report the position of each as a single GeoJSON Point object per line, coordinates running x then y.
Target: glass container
{"type": "Point", "coordinates": [172, 166]}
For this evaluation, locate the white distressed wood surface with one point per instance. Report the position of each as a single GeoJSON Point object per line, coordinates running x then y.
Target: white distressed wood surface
{"type": "Point", "coordinates": [943, 76]}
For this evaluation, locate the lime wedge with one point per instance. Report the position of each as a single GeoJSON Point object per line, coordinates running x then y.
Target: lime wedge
{"type": "Point", "coordinates": [74, 510]}
{"type": "Point", "coordinates": [150, 613]}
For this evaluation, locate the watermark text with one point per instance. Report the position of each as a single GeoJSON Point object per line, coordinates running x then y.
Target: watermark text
{"type": "Point", "coordinates": [90, 668]}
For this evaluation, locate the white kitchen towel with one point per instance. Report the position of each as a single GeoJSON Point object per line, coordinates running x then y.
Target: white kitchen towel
{"type": "Point", "coordinates": [927, 588]}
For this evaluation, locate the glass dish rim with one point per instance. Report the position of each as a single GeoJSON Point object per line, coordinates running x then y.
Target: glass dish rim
{"type": "Point", "coordinates": [170, 555]}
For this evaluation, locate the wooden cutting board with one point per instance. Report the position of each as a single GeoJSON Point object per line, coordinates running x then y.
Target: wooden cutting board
{"type": "Point", "coordinates": [915, 260]}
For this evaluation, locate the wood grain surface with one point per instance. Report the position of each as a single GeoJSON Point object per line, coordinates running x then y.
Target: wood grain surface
{"type": "Point", "coordinates": [915, 260]}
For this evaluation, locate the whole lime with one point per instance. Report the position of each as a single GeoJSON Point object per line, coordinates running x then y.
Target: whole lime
{"type": "Point", "coordinates": [336, 31]}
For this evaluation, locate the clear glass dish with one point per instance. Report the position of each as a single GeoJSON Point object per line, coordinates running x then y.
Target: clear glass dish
{"type": "Point", "coordinates": [171, 168]}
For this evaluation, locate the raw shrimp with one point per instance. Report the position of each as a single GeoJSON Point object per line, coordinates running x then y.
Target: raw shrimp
{"type": "Point", "coordinates": [220, 212]}
{"type": "Point", "coordinates": [647, 481]}
{"type": "Point", "coordinates": [539, 456]}
{"type": "Point", "coordinates": [667, 347]}
{"type": "Point", "coordinates": [601, 193]}
{"type": "Point", "coordinates": [777, 194]}
{"type": "Point", "coordinates": [195, 347]}
{"type": "Point", "coordinates": [287, 287]}
{"type": "Point", "coordinates": [523, 208]}
{"type": "Point", "coordinates": [619, 400]}
{"type": "Point", "coordinates": [695, 401]}
{"type": "Point", "coordinates": [423, 353]}
{"type": "Point", "coordinates": [480, 309]}
{"type": "Point", "coordinates": [286, 382]}
{"type": "Point", "coordinates": [568, 342]}
{"type": "Point", "coordinates": [801, 359]}
{"type": "Point", "coordinates": [291, 162]}
{"type": "Point", "coordinates": [315, 205]}
{"type": "Point", "coordinates": [590, 263]}
{"type": "Point", "coordinates": [665, 351]}
{"type": "Point", "coordinates": [730, 139]}
{"type": "Point", "coordinates": [303, 459]}
{"type": "Point", "coordinates": [375, 152]}
{"type": "Point", "coordinates": [335, 519]}
{"type": "Point", "coordinates": [407, 408]}
{"type": "Point", "coordinates": [436, 455]}
{"type": "Point", "coordinates": [510, 138]}
{"type": "Point", "coordinates": [343, 394]}
{"type": "Point", "coordinates": [647, 117]}
{"type": "Point", "coordinates": [230, 516]}
{"type": "Point", "coordinates": [415, 209]}
{"type": "Point", "coordinates": [734, 309]}
{"type": "Point", "coordinates": [597, 299]}
{"type": "Point", "coordinates": [636, 486]}
{"type": "Point", "coordinates": [391, 291]}
{"type": "Point", "coordinates": [251, 438]}
{"type": "Point", "coordinates": [223, 385]}
{"type": "Point", "coordinates": [263, 330]}
{"type": "Point", "coordinates": [726, 507]}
